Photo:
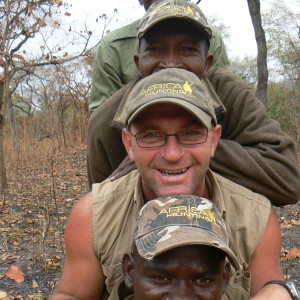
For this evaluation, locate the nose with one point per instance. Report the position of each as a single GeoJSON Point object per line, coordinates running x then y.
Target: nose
{"type": "Point", "coordinates": [172, 150]}
{"type": "Point", "coordinates": [171, 60]}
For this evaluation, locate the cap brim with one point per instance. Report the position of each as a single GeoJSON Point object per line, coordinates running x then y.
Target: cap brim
{"type": "Point", "coordinates": [148, 246]}
{"type": "Point", "coordinates": [202, 116]}
{"type": "Point", "coordinates": [205, 29]}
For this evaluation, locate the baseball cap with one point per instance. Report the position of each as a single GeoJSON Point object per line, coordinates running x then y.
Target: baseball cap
{"type": "Point", "coordinates": [170, 222]}
{"type": "Point", "coordinates": [167, 9]}
{"type": "Point", "coordinates": [176, 86]}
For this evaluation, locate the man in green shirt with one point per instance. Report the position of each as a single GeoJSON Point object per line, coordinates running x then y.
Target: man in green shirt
{"type": "Point", "coordinates": [114, 66]}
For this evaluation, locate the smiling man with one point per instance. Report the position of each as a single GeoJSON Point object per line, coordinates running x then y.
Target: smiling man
{"type": "Point", "coordinates": [171, 134]}
{"type": "Point", "coordinates": [253, 151]}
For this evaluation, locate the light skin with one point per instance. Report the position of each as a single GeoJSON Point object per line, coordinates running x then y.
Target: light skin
{"type": "Point", "coordinates": [83, 277]}
{"type": "Point", "coordinates": [187, 272]}
{"type": "Point", "coordinates": [170, 170]}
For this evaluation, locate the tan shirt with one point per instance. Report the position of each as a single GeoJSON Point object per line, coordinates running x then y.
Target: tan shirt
{"type": "Point", "coordinates": [116, 206]}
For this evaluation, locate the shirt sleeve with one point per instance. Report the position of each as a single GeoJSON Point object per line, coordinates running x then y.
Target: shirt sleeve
{"type": "Point", "coordinates": [253, 151]}
{"type": "Point", "coordinates": [218, 50]}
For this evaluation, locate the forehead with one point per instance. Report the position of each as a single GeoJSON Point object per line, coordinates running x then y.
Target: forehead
{"type": "Point", "coordinates": [162, 113]}
{"type": "Point", "coordinates": [177, 26]}
{"type": "Point", "coordinates": [200, 256]}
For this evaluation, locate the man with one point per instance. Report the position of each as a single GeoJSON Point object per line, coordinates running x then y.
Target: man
{"type": "Point", "coordinates": [171, 134]}
{"type": "Point", "coordinates": [180, 245]}
{"type": "Point", "coordinates": [114, 66]}
{"type": "Point", "coordinates": [253, 151]}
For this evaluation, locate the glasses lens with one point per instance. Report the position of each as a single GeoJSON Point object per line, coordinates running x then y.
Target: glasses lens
{"type": "Point", "coordinates": [192, 136]}
{"type": "Point", "coordinates": [150, 139]}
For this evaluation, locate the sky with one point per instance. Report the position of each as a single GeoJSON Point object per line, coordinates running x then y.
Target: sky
{"type": "Point", "coordinates": [232, 13]}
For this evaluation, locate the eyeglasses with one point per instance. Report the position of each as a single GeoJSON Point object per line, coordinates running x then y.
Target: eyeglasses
{"type": "Point", "coordinates": [158, 139]}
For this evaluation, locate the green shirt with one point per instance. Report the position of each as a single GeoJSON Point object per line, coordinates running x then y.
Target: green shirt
{"type": "Point", "coordinates": [114, 66]}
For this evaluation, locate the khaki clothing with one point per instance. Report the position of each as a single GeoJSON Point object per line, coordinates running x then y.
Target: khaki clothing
{"type": "Point", "coordinates": [114, 65]}
{"type": "Point", "coordinates": [116, 205]}
{"type": "Point", "coordinates": [253, 150]}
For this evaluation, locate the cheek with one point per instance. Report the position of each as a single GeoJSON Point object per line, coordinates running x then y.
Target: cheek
{"type": "Point", "coordinates": [147, 66]}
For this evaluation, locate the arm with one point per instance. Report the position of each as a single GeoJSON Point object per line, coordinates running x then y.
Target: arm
{"type": "Point", "coordinates": [218, 50]}
{"type": "Point", "coordinates": [82, 276]}
{"type": "Point", "coordinates": [114, 64]}
{"type": "Point", "coordinates": [265, 264]}
{"type": "Point", "coordinates": [106, 75]}
{"type": "Point", "coordinates": [254, 151]}
{"type": "Point", "coordinates": [105, 150]}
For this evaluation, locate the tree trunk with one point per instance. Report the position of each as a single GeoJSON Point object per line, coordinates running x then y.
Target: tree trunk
{"type": "Point", "coordinates": [12, 124]}
{"type": "Point", "coordinates": [3, 94]}
{"type": "Point", "coordinates": [262, 67]}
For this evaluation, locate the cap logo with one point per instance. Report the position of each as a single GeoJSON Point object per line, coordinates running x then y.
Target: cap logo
{"type": "Point", "coordinates": [169, 87]}
{"type": "Point", "coordinates": [190, 212]}
{"type": "Point", "coordinates": [175, 9]}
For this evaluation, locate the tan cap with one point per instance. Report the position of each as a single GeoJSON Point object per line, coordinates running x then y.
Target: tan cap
{"type": "Point", "coordinates": [176, 86]}
{"type": "Point", "coordinates": [168, 9]}
{"type": "Point", "coordinates": [170, 222]}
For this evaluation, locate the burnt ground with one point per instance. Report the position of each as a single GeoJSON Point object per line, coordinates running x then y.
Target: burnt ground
{"type": "Point", "coordinates": [34, 210]}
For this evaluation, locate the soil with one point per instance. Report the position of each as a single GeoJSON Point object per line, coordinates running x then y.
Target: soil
{"type": "Point", "coordinates": [33, 213]}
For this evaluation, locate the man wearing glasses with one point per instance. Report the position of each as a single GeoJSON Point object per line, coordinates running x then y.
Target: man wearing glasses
{"type": "Point", "coordinates": [171, 134]}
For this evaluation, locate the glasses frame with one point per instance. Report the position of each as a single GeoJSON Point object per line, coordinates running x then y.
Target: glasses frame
{"type": "Point", "coordinates": [167, 135]}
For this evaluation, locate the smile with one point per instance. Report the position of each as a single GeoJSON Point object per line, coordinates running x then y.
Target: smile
{"type": "Point", "coordinates": [172, 172]}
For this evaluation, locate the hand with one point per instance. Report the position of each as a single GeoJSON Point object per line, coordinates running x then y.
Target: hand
{"type": "Point", "coordinates": [124, 168]}
{"type": "Point", "coordinates": [272, 292]}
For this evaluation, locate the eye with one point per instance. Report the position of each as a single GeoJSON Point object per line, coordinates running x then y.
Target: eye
{"type": "Point", "coordinates": [161, 278]}
{"type": "Point", "coordinates": [202, 280]}
{"type": "Point", "coordinates": [189, 49]}
{"type": "Point", "coordinates": [191, 132]}
{"type": "Point", "coordinates": [149, 135]}
{"type": "Point", "coordinates": [153, 48]}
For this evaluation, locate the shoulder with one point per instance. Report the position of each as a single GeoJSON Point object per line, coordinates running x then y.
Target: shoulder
{"type": "Point", "coordinates": [104, 113]}
{"type": "Point", "coordinates": [125, 32]}
{"type": "Point", "coordinates": [241, 196]}
{"type": "Point", "coordinates": [117, 190]}
{"type": "Point", "coordinates": [218, 76]}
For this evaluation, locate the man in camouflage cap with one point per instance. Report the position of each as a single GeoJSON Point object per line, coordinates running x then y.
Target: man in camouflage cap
{"type": "Point", "coordinates": [183, 241]}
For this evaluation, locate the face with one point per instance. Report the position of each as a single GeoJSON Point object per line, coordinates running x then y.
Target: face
{"type": "Point", "coordinates": [173, 44]}
{"type": "Point", "coordinates": [173, 168]}
{"type": "Point", "coordinates": [188, 272]}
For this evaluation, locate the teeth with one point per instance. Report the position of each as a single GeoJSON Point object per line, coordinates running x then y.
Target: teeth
{"type": "Point", "coordinates": [173, 172]}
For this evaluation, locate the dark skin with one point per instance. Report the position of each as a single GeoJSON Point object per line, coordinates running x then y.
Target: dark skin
{"type": "Point", "coordinates": [187, 272]}
{"type": "Point", "coordinates": [168, 45]}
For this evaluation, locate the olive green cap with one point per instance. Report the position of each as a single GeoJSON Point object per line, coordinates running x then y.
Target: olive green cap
{"type": "Point", "coordinates": [176, 86]}
{"type": "Point", "coordinates": [170, 9]}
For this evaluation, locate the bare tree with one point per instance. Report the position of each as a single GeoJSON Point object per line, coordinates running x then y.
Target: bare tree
{"type": "Point", "coordinates": [262, 67]}
{"type": "Point", "coordinates": [29, 39]}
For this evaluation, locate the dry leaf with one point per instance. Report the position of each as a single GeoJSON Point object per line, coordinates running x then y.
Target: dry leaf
{"type": "Point", "coordinates": [2, 294]}
{"type": "Point", "coordinates": [15, 274]}
{"type": "Point", "coordinates": [294, 252]}
{"type": "Point", "coordinates": [34, 284]}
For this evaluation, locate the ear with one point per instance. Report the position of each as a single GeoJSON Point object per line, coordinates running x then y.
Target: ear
{"type": "Point", "coordinates": [216, 135]}
{"type": "Point", "coordinates": [136, 59]}
{"type": "Point", "coordinates": [126, 138]}
{"type": "Point", "coordinates": [208, 62]}
{"type": "Point", "coordinates": [226, 274]}
{"type": "Point", "coordinates": [128, 271]}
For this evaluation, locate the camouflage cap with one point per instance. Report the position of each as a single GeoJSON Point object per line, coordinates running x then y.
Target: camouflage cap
{"type": "Point", "coordinates": [176, 86]}
{"type": "Point", "coordinates": [170, 222]}
{"type": "Point", "coordinates": [167, 9]}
